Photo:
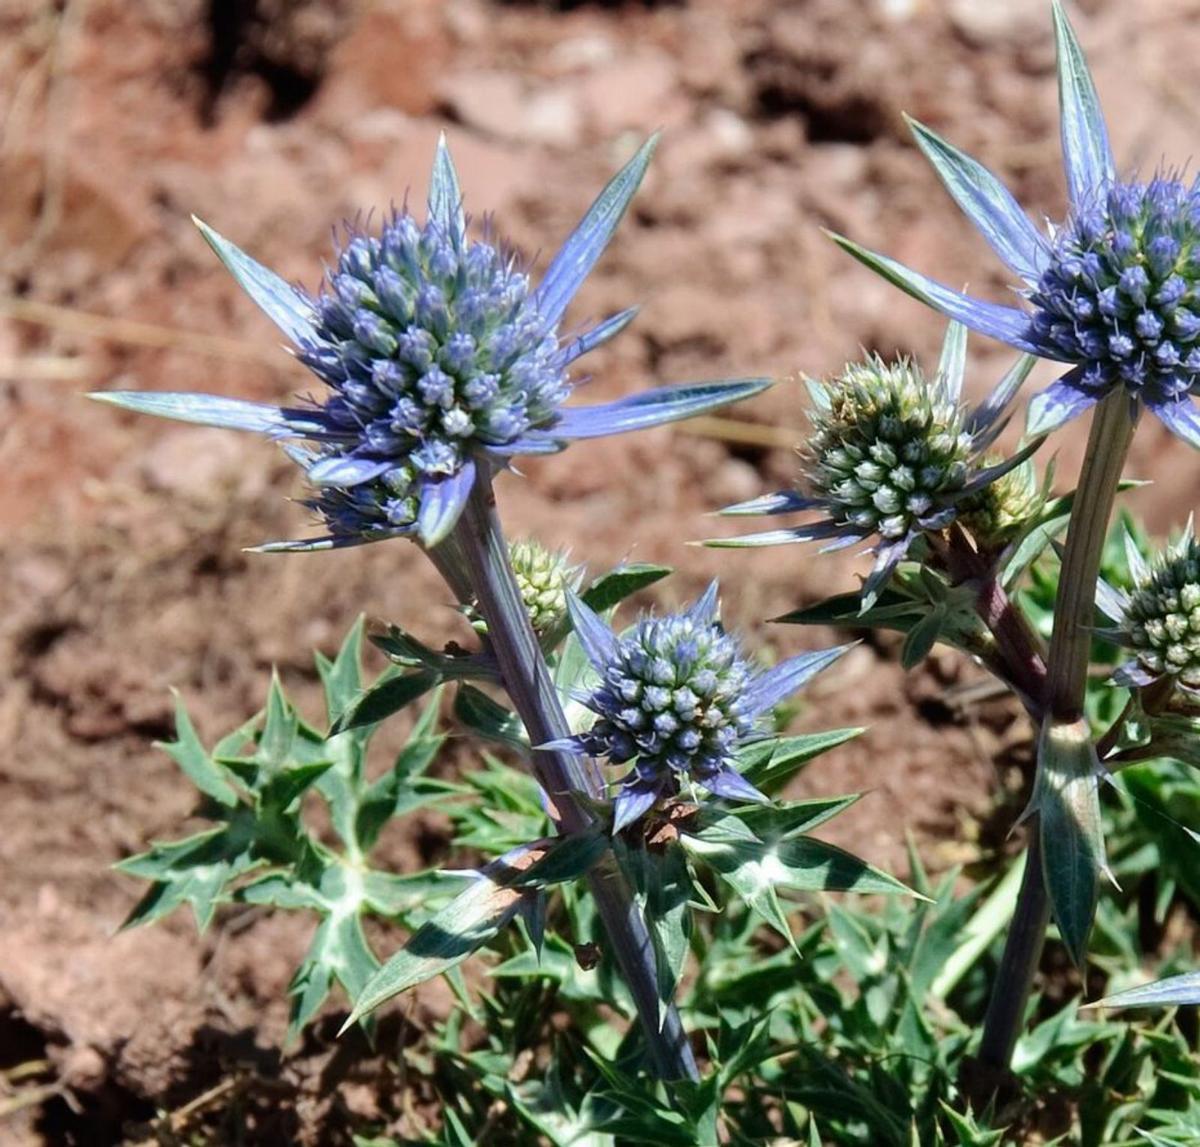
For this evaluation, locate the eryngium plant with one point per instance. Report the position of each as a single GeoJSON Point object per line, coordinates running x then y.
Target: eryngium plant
{"type": "Point", "coordinates": [1113, 291]}
{"type": "Point", "coordinates": [678, 698]}
{"type": "Point", "coordinates": [440, 363]}
{"type": "Point", "coordinates": [893, 456]}
{"type": "Point", "coordinates": [437, 356]}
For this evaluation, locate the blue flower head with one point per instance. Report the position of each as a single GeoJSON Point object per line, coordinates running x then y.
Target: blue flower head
{"type": "Point", "coordinates": [677, 697]}
{"type": "Point", "coordinates": [1114, 291]}
{"type": "Point", "coordinates": [439, 359]}
{"type": "Point", "coordinates": [1159, 618]}
{"type": "Point", "coordinates": [892, 456]}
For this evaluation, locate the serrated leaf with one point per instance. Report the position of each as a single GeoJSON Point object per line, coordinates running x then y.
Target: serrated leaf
{"type": "Point", "coordinates": [283, 789]}
{"type": "Point", "coordinates": [279, 730]}
{"type": "Point", "coordinates": [1173, 992]}
{"type": "Point", "coordinates": [342, 678]}
{"type": "Point", "coordinates": [394, 792]}
{"type": "Point", "coordinates": [787, 820]}
{"type": "Point", "coordinates": [191, 756]}
{"type": "Point", "coordinates": [770, 764]}
{"type": "Point", "coordinates": [195, 871]}
{"type": "Point", "coordinates": [665, 885]}
{"type": "Point", "coordinates": [920, 640]}
{"type": "Point", "coordinates": [892, 610]}
{"type": "Point", "coordinates": [473, 917]}
{"type": "Point", "coordinates": [386, 697]}
{"type": "Point", "coordinates": [1067, 802]}
{"type": "Point", "coordinates": [488, 718]}
{"type": "Point", "coordinates": [613, 588]}
{"type": "Point", "coordinates": [756, 870]}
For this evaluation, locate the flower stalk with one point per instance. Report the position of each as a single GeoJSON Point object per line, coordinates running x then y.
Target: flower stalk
{"type": "Point", "coordinates": [570, 780]}
{"type": "Point", "coordinates": [1021, 656]}
{"type": "Point", "coordinates": [1063, 699]}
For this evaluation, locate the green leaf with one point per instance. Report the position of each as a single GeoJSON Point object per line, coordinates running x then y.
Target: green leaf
{"type": "Point", "coordinates": [665, 887]}
{"type": "Point", "coordinates": [566, 858]}
{"type": "Point", "coordinates": [395, 791]}
{"type": "Point", "coordinates": [281, 791]}
{"type": "Point", "coordinates": [1042, 530]}
{"type": "Point", "coordinates": [789, 819]}
{"type": "Point", "coordinates": [190, 755]}
{"type": "Point", "coordinates": [613, 588]}
{"type": "Point", "coordinates": [1067, 802]}
{"type": "Point", "coordinates": [489, 719]}
{"type": "Point", "coordinates": [195, 871]}
{"type": "Point", "coordinates": [342, 678]}
{"type": "Point", "coordinates": [892, 610]}
{"type": "Point", "coordinates": [279, 731]}
{"type": "Point", "coordinates": [969, 1133]}
{"type": "Point", "coordinates": [465, 924]}
{"type": "Point", "coordinates": [921, 639]}
{"type": "Point", "coordinates": [768, 765]}
{"type": "Point", "coordinates": [390, 693]}
{"type": "Point", "coordinates": [474, 917]}
{"type": "Point", "coordinates": [756, 870]}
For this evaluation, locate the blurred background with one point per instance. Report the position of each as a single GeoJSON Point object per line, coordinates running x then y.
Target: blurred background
{"type": "Point", "coordinates": [121, 565]}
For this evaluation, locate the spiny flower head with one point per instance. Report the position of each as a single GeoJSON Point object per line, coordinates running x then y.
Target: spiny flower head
{"type": "Point", "coordinates": [892, 456]}
{"type": "Point", "coordinates": [431, 343]}
{"type": "Point", "coordinates": [1159, 618]}
{"type": "Point", "coordinates": [1114, 291]}
{"type": "Point", "coordinates": [889, 451]}
{"type": "Point", "coordinates": [440, 361]}
{"type": "Point", "coordinates": [1121, 293]}
{"type": "Point", "coordinates": [677, 697]}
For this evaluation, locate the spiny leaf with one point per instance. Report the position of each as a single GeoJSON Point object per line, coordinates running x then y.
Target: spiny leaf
{"type": "Point", "coordinates": [190, 755]}
{"type": "Point", "coordinates": [769, 764]}
{"type": "Point", "coordinates": [477, 914]}
{"type": "Point", "coordinates": [391, 693]}
{"type": "Point", "coordinates": [1067, 802]}
{"type": "Point", "coordinates": [613, 588]}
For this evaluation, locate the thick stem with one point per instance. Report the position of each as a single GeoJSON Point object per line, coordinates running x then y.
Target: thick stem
{"type": "Point", "coordinates": [1019, 964]}
{"type": "Point", "coordinates": [1066, 682]}
{"type": "Point", "coordinates": [1075, 606]}
{"type": "Point", "coordinates": [566, 777]}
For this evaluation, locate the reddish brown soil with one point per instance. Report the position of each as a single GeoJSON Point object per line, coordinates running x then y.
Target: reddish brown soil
{"type": "Point", "coordinates": [122, 573]}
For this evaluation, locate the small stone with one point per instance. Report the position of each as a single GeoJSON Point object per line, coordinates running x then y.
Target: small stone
{"type": "Point", "coordinates": [634, 91]}
{"type": "Point", "coordinates": [990, 22]}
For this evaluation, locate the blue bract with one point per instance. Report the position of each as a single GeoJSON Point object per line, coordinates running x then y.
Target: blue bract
{"type": "Point", "coordinates": [439, 357]}
{"type": "Point", "coordinates": [677, 698]}
{"type": "Point", "coordinates": [1115, 290]}
{"type": "Point", "coordinates": [892, 456]}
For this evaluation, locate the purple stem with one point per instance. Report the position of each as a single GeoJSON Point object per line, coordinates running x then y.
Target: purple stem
{"type": "Point", "coordinates": [566, 777]}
